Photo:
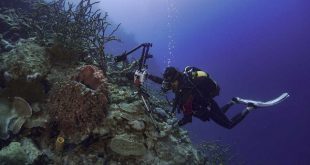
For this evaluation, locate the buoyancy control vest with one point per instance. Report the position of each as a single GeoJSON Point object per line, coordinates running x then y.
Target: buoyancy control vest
{"type": "Point", "coordinates": [204, 85]}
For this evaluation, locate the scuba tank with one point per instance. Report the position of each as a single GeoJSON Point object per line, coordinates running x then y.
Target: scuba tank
{"type": "Point", "coordinates": [202, 82]}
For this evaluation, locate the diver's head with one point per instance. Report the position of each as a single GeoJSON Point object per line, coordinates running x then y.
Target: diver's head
{"type": "Point", "coordinates": [171, 76]}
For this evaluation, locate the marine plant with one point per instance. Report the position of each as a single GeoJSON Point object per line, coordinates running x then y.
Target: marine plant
{"type": "Point", "coordinates": [78, 28]}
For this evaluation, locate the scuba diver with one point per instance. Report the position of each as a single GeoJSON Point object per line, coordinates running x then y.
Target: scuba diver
{"type": "Point", "coordinates": [194, 92]}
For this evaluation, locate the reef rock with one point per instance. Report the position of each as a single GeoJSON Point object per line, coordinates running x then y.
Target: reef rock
{"type": "Point", "coordinates": [137, 125]}
{"type": "Point", "coordinates": [13, 154]}
{"type": "Point", "coordinates": [30, 149]}
{"type": "Point", "coordinates": [134, 107]}
{"type": "Point", "coordinates": [136, 140]}
{"type": "Point", "coordinates": [121, 94]}
{"type": "Point", "coordinates": [127, 145]}
{"type": "Point", "coordinates": [24, 152]}
{"type": "Point", "coordinates": [27, 61]}
{"type": "Point", "coordinates": [24, 69]}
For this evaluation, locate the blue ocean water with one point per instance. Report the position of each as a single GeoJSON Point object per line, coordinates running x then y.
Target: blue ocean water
{"type": "Point", "coordinates": [253, 49]}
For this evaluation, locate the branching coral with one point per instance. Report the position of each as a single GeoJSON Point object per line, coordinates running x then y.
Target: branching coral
{"type": "Point", "coordinates": [77, 109]}
{"type": "Point", "coordinates": [78, 28]}
{"type": "Point", "coordinates": [12, 28]}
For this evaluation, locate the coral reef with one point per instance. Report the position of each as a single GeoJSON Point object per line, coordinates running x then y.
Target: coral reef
{"type": "Point", "coordinates": [24, 70]}
{"type": "Point", "coordinates": [26, 60]}
{"type": "Point", "coordinates": [13, 27]}
{"type": "Point", "coordinates": [10, 23]}
{"type": "Point", "coordinates": [82, 30]}
{"type": "Point", "coordinates": [39, 118]}
{"type": "Point", "coordinates": [135, 140]}
{"type": "Point", "coordinates": [120, 94]}
{"type": "Point", "coordinates": [58, 73]}
{"type": "Point", "coordinates": [13, 154]}
{"type": "Point", "coordinates": [24, 152]}
{"type": "Point", "coordinates": [48, 89]}
{"type": "Point", "coordinates": [13, 115]}
{"type": "Point", "coordinates": [91, 76]}
{"type": "Point", "coordinates": [214, 152]}
{"type": "Point", "coordinates": [121, 133]}
{"type": "Point", "coordinates": [126, 145]}
{"type": "Point", "coordinates": [58, 54]}
{"type": "Point", "coordinates": [76, 108]}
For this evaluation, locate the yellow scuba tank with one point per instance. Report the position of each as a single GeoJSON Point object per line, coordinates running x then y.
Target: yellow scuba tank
{"type": "Point", "coordinates": [200, 74]}
{"type": "Point", "coordinates": [195, 72]}
{"type": "Point", "coordinates": [209, 87]}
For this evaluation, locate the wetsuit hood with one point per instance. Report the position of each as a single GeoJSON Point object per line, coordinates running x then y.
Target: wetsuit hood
{"type": "Point", "coordinates": [171, 76]}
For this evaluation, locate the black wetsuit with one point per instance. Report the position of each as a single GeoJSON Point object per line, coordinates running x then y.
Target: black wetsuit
{"type": "Point", "coordinates": [203, 106]}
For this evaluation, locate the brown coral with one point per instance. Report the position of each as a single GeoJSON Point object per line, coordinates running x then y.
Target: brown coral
{"type": "Point", "coordinates": [76, 109]}
{"type": "Point", "coordinates": [91, 76]}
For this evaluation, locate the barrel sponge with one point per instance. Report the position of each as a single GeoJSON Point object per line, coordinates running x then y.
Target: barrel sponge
{"type": "Point", "coordinates": [91, 76]}
{"type": "Point", "coordinates": [79, 105]}
{"type": "Point", "coordinates": [76, 109]}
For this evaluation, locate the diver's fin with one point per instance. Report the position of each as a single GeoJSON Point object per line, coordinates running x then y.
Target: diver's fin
{"type": "Point", "coordinates": [262, 103]}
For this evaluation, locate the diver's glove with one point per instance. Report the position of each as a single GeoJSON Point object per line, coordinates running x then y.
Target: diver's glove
{"type": "Point", "coordinates": [186, 119]}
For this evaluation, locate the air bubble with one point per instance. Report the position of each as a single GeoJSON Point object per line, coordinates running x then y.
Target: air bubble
{"type": "Point", "coordinates": [172, 19]}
